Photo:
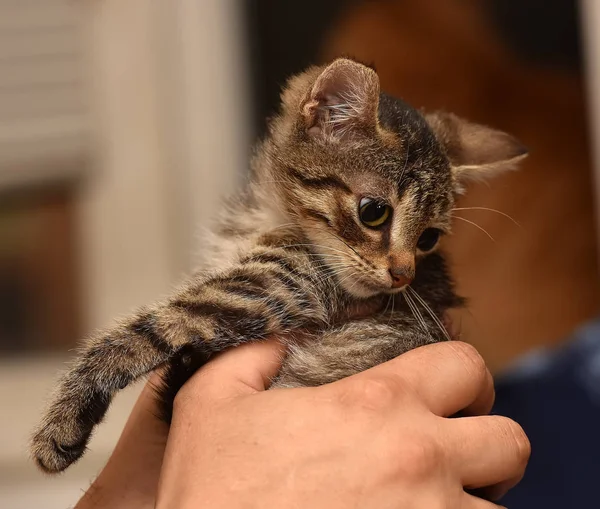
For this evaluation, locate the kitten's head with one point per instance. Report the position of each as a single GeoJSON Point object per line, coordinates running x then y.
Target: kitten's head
{"type": "Point", "coordinates": [370, 180]}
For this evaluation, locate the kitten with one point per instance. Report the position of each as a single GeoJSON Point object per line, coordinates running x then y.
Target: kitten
{"type": "Point", "coordinates": [448, 52]}
{"type": "Point", "coordinates": [332, 247]}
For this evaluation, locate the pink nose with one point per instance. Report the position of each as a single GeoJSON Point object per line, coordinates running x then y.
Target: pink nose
{"type": "Point", "coordinates": [400, 277]}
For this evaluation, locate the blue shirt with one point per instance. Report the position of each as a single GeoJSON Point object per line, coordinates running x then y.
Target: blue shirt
{"type": "Point", "coordinates": [555, 395]}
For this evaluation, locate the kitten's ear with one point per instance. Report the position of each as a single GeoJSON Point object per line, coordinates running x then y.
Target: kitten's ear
{"type": "Point", "coordinates": [343, 100]}
{"type": "Point", "coordinates": [475, 151]}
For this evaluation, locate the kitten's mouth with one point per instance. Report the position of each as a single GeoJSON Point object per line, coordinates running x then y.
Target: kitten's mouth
{"type": "Point", "coordinates": [363, 287]}
{"type": "Point", "coordinates": [369, 289]}
{"type": "Point", "coordinates": [392, 290]}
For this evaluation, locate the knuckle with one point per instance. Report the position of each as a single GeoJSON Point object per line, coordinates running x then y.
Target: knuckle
{"type": "Point", "coordinates": [374, 393]}
{"type": "Point", "coordinates": [471, 359]}
{"type": "Point", "coordinates": [193, 392]}
{"type": "Point", "coordinates": [419, 458]}
{"type": "Point", "coordinates": [182, 399]}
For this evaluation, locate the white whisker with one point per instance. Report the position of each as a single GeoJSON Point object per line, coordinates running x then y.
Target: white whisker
{"type": "Point", "coordinates": [476, 226]}
{"type": "Point", "coordinates": [430, 311]}
{"type": "Point", "coordinates": [510, 218]}
{"type": "Point", "coordinates": [392, 310]}
{"type": "Point", "coordinates": [416, 313]}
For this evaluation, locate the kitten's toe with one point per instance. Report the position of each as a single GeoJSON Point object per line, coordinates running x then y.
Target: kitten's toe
{"type": "Point", "coordinates": [54, 448]}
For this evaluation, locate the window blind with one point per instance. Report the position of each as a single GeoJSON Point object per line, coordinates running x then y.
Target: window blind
{"type": "Point", "coordinates": [43, 115]}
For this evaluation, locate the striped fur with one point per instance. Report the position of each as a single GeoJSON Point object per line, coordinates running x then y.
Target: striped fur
{"type": "Point", "coordinates": [291, 258]}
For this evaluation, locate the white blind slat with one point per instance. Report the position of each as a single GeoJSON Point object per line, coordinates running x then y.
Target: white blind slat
{"type": "Point", "coordinates": [45, 102]}
{"type": "Point", "coordinates": [23, 15]}
{"type": "Point", "coordinates": [41, 71]}
{"type": "Point", "coordinates": [43, 117]}
{"type": "Point", "coordinates": [38, 43]}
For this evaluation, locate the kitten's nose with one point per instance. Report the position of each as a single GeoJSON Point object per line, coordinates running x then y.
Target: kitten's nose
{"type": "Point", "coordinates": [401, 268]}
{"type": "Point", "coordinates": [400, 276]}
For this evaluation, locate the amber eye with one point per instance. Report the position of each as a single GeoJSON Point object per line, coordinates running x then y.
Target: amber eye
{"type": "Point", "coordinates": [428, 239]}
{"type": "Point", "coordinates": [373, 213]}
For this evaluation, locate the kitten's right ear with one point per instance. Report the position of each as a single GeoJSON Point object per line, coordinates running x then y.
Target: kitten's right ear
{"type": "Point", "coordinates": [475, 151]}
{"type": "Point", "coordinates": [342, 102]}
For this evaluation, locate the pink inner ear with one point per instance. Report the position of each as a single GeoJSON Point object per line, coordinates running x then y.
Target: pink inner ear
{"type": "Point", "coordinates": [311, 113]}
{"type": "Point", "coordinates": [331, 87]}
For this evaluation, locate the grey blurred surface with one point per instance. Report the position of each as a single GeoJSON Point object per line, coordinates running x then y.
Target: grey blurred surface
{"type": "Point", "coordinates": [24, 385]}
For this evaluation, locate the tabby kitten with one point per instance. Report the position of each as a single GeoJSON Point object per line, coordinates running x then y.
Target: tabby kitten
{"type": "Point", "coordinates": [331, 248]}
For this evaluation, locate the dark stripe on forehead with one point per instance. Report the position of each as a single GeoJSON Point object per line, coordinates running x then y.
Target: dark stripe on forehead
{"type": "Point", "coordinates": [422, 150]}
{"type": "Point", "coordinates": [401, 118]}
{"type": "Point", "coordinates": [328, 182]}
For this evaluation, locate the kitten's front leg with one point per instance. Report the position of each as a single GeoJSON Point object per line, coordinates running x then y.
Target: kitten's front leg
{"type": "Point", "coordinates": [109, 361]}
{"type": "Point", "coordinates": [271, 291]}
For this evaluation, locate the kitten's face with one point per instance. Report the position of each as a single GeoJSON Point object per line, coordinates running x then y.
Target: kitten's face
{"type": "Point", "coordinates": [371, 231]}
{"type": "Point", "coordinates": [372, 209]}
{"type": "Point", "coordinates": [369, 179]}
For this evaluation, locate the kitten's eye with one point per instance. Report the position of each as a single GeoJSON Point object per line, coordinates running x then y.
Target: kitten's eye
{"type": "Point", "coordinates": [373, 213]}
{"type": "Point", "coordinates": [428, 239]}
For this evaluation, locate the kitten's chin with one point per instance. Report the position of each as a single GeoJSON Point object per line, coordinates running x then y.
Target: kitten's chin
{"type": "Point", "coordinates": [363, 290]}
{"type": "Point", "coordinates": [361, 286]}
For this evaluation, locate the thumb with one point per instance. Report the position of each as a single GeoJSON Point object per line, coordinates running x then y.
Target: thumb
{"type": "Point", "coordinates": [244, 369]}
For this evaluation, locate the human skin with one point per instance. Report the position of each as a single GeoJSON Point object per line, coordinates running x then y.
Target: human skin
{"type": "Point", "coordinates": [379, 439]}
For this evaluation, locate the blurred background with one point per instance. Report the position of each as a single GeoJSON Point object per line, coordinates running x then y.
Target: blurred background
{"type": "Point", "coordinates": [122, 123]}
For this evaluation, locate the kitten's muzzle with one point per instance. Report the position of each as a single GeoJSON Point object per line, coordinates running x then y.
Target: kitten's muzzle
{"type": "Point", "coordinates": [401, 268]}
{"type": "Point", "coordinates": [400, 277]}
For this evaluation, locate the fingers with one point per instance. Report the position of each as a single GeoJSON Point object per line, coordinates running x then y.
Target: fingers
{"type": "Point", "coordinates": [241, 370]}
{"type": "Point", "coordinates": [447, 377]}
{"type": "Point", "coordinates": [489, 450]}
{"type": "Point", "coordinates": [130, 477]}
{"type": "Point", "coordinates": [142, 422]}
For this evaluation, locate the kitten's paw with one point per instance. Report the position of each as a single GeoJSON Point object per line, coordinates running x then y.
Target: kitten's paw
{"type": "Point", "coordinates": [57, 444]}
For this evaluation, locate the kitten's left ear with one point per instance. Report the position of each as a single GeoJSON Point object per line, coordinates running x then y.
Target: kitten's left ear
{"type": "Point", "coordinates": [475, 151]}
{"type": "Point", "coordinates": [342, 101]}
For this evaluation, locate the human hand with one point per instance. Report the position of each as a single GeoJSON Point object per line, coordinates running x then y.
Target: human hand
{"type": "Point", "coordinates": [379, 439]}
{"type": "Point", "coordinates": [130, 477]}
